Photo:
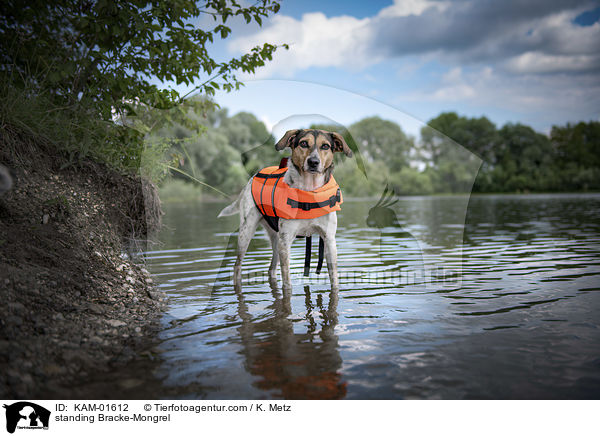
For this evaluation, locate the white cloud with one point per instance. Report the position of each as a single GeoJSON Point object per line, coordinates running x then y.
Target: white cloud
{"type": "Point", "coordinates": [318, 41]}
{"type": "Point", "coordinates": [540, 100]}
{"type": "Point", "coordinates": [557, 33]}
{"type": "Point", "coordinates": [541, 63]}
{"type": "Point", "coordinates": [315, 41]}
{"type": "Point", "coordinates": [468, 32]}
{"type": "Point", "coordinates": [454, 87]}
{"type": "Point", "coordinates": [457, 92]}
{"type": "Point", "coordinates": [403, 8]}
{"type": "Point", "coordinates": [452, 76]}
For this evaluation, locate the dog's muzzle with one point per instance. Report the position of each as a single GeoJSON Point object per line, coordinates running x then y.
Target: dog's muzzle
{"type": "Point", "coordinates": [312, 163]}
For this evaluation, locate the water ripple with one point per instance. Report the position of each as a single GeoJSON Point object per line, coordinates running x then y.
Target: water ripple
{"type": "Point", "coordinates": [500, 302]}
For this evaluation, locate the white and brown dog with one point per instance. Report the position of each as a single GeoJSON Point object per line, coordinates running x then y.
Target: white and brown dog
{"type": "Point", "coordinates": [309, 168]}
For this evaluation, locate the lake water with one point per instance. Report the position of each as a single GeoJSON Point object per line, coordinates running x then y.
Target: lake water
{"type": "Point", "coordinates": [441, 297]}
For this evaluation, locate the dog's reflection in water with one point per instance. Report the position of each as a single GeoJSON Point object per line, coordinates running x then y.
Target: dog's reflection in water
{"type": "Point", "coordinates": [289, 364]}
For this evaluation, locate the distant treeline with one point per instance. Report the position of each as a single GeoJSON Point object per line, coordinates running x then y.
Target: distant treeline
{"type": "Point", "coordinates": [518, 159]}
{"type": "Point", "coordinates": [454, 154]}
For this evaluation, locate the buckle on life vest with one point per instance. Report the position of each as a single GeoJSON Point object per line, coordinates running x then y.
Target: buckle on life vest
{"type": "Point", "coordinates": [334, 199]}
{"type": "Point", "coordinates": [307, 254]}
{"type": "Point", "coordinates": [331, 202]}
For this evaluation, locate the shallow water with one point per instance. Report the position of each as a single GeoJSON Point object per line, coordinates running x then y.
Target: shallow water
{"type": "Point", "coordinates": [504, 306]}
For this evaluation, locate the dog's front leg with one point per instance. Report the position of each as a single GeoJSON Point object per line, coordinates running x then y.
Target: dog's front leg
{"type": "Point", "coordinates": [284, 245]}
{"type": "Point", "coordinates": [331, 257]}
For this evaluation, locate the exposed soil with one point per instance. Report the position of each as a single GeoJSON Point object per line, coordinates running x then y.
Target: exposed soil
{"type": "Point", "coordinates": [72, 306]}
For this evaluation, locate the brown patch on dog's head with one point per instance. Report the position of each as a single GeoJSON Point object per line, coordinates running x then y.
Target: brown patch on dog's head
{"type": "Point", "coordinates": [287, 139]}
{"type": "Point", "coordinates": [340, 144]}
{"type": "Point", "coordinates": [312, 150]}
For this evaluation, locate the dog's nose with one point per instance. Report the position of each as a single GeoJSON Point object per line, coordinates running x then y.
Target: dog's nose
{"type": "Point", "coordinates": [313, 162]}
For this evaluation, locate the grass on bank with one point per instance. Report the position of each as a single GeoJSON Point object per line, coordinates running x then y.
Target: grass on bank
{"type": "Point", "coordinates": [76, 133]}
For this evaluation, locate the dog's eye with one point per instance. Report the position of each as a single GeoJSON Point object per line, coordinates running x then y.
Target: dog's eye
{"type": "Point", "coordinates": [325, 147]}
{"type": "Point", "coordinates": [303, 144]}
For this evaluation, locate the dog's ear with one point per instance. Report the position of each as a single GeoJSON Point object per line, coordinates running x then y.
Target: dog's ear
{"type": "Point", "coordinates": [287, 139]}
{"type": "Point", "coordinates": [339, 144]}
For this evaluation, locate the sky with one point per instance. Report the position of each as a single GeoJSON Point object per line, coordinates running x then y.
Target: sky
{"type": "Point", "coordinates": [536, 62]}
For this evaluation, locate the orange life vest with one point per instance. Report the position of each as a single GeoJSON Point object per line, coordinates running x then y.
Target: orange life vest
{"type": "Point", "coordinates": [276, 199]}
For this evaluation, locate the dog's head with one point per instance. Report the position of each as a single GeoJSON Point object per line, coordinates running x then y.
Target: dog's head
{"type": "Point", "coordinates": [312, 150]}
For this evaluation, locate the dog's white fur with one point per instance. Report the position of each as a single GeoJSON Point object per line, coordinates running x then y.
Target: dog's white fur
{"type": "Point", "coordinates": [281, 242]}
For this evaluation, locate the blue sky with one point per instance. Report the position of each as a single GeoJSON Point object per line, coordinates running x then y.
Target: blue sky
{"type": "Point", "coordinates": [531, 61]}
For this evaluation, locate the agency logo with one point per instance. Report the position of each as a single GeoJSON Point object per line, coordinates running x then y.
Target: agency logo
{"type": "Point", "coordinates": [26, 415]}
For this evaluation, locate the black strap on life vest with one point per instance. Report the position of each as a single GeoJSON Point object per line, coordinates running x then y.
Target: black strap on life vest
{"type": "Point", "coordinates": [307, 253]}
{"type": "Point", "coordinates": [307, 256]}
{"type": "Point", "coordinates": [321, 253]}
{"type": "Point", "coordinates": [270, 176]}
{"type": "Point", "coordinates": [331, 202]}
{"type": "Point", "coordinates": [272, 221]}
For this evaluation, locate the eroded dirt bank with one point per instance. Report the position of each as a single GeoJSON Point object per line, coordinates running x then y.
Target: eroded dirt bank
{"type": "Point", "coordinates": [71, 306]}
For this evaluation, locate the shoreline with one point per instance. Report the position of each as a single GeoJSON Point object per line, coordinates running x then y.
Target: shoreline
{"type": "Point", "coordinates": [208, 199]}
{"type": "Point", "coordinates": [73, 307]}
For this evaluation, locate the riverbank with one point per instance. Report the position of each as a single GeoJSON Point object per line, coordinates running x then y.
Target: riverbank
{"type": "Point", "coordinates": [73, 308]}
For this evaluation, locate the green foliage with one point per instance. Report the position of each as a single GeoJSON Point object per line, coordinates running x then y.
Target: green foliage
{"type": "Point", "coordinates": [515, 158]}
{"type": "Point", "coordinates": [73, 130]}
{"type": "Point", "coordinates": [206, 146]}
{"type": "Point", "coordinates": [478, 135]}
{"type": "Point", "coordinates": [450, 146]}
{"type": "Point", "coordinates": [355, 183]}
{"type": "Point", "coordinates": [531, 171]}
{"type": "Point", "coordinates": [177, 190]}
{"type": "Point", "coordinates": [410, 181]}
{"type": "Point", "coordinates": [107, 52]}
{"type": "Point", "coordinates": [382, 141]}
{"type": "Point", "coordinates": [577, 151]}
{"type": "Point", "coordinates": [85, 64]}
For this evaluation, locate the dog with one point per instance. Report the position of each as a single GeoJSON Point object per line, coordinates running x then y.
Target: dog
{"type": "Point", "coordinates": [309, 169]}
